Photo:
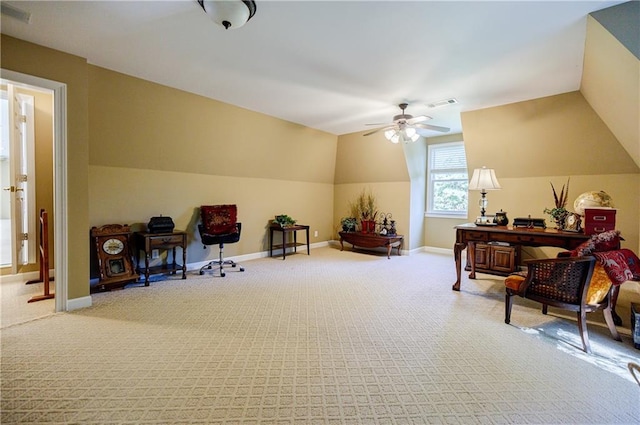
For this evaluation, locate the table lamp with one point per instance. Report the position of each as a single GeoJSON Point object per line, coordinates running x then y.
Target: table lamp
{"type": "Point", "coordinates": [484, 179]}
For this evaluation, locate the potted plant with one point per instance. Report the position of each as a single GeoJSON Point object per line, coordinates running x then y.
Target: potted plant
{"type": "Point", "coordinates": [366, 209]}
{"type": "Point", "coordinates": [349, 224]}
{"type": "Point", "coordinates": [559, 212]}
{"type": "Point", "coordinates": [284, 220]}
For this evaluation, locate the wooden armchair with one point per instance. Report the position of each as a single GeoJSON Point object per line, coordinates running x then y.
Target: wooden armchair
{"type": "Point", "coordinates": [614, 265]}
{"type": "Point", "coordinates": [562, 283]}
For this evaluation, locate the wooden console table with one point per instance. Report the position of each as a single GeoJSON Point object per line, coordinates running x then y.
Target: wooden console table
{"type": "Point", "coordinates": [285, 244]}
{"type": "Point", "coordinates": [147, 242]}
{"type": "Point", "coordinates": [467, 235]}
{"type": "Point", "coordinates": [372, 240]}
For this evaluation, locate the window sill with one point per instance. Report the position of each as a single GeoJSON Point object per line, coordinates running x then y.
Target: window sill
{"type": "Point", "coordinates": [448, 216]}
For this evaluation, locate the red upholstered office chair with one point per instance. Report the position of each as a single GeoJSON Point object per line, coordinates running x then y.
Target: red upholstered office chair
{"type": "Point", "coordinates": [219, 226]}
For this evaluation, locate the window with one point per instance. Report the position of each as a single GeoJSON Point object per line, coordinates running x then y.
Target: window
{"type": "Point", "coordinates": [447, 180]}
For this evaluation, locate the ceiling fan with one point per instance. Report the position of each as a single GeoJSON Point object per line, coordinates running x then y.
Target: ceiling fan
{"type": "Point", "coordinates": [406, 128]}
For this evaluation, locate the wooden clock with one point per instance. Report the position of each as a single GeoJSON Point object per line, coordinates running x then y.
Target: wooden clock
{"type": "Point", "coordinates": [573, 223]}
{"type": "Point", "coordinates": [112, 244]}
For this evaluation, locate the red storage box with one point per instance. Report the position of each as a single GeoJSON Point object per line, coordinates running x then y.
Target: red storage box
{"type": "Point", "coordinates": [598, 220]}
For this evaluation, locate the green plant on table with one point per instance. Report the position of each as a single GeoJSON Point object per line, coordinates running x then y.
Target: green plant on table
{"type": "Point", "coordinates": [284, 220]}
{"type": "Point", "coordinates": [349, 224]}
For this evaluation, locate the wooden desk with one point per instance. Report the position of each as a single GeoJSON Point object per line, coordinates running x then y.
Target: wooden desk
{"type": "Point", "coordinates": [467, 235]}
{"type": "Point", "coordinates": [284, 245]}
{"type": "Point", "coordinates": [371, 240]}
{"type": "Point", "coordinates": [147, 242]}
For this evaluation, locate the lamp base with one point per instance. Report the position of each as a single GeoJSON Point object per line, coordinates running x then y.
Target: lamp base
{"type": "Point", "coordinates": [483, 202]}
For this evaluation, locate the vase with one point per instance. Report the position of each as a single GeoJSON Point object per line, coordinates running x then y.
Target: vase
{"type": "Point", "coordinates": [368, 226]}
{"type": "Point", "coordinates": [501, 218]}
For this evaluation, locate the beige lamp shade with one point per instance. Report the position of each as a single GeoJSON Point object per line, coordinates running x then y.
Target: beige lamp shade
{"type": "Point", "coordinates": [484, 179]}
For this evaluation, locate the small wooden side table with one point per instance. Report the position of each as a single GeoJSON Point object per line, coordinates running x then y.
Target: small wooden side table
{"type": "Point", "coordinates": [286, 230]}
{"type": "Point", "coordinates": [147, 242]}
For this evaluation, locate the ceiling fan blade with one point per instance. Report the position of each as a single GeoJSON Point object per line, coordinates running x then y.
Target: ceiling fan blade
{"type": "Point", "coordinates": [389, 127]}
{"type": "Point", "coordinates": [418, 119]}
{"type": "Point", "coordinates": [431, 127]}
{"type": "Point", "coordinates": [379, 123]}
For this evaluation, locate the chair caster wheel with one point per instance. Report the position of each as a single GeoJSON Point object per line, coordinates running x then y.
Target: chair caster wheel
{"type": "Point", "coordinates": [201, 272]}
{"type": "Point", "coordinates": [241, 269]}
{"type": "Point", "coordinates": [223, 274]}
{"type": "Point", "coordinates": [233, 265]}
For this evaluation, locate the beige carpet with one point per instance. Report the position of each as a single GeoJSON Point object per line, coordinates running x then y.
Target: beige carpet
{"type": "Point", "coordinates": [331, 338]}
{"type": "Point", "coordinates": [14, 296]}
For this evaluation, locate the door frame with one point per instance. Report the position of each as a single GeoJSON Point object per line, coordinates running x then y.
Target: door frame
{"type": "Point", "coordinates": [60, 207]}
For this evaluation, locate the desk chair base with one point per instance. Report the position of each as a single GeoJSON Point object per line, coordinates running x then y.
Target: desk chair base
{"type": "Point", "coordinates": [220, 263]}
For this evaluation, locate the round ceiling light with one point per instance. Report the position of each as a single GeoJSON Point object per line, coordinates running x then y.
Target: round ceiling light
{"type": "Point", "coordinates": [229, 13]}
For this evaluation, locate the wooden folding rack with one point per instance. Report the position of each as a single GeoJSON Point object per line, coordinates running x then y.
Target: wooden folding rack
{"type": "Point", "coordinates": [44, 260]}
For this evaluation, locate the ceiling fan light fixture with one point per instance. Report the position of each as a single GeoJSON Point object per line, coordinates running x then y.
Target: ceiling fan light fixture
{"type": "Point", "coordinates": [229, 13]}
{"type": "Point", "coordinates": [392, 135]}
{"type": "Point", "coordinates": [405, 135]}
{"type": "Point", "coordinates": [406, 128]}
{"type": "Point", "coordinates": [411, 133]}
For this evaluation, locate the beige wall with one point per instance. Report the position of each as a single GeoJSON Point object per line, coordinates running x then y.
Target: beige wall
{"type": "Point", "coordinates": [138, 149]}
{"type": "Point", "coordinates": [31, 59]}
{"type": "Point", "coordinates": [141, 194]}
{"type": "Point", "coordinates": [551, 136]}
{"type": "Point", "coordinates": [531, 144]}
{"type": "Point", "coordinates": [374, 164]}
{"type": "Point", "coordinates": [365, 159]}
{"type": "Point", "coordinates": [157, 150]}
{"type": "Point", "coordinates": [392, 197]}
{"type": "Point", "coordinates": [140, 124]}
{"type": "Point", "coordinates": [611, 85]}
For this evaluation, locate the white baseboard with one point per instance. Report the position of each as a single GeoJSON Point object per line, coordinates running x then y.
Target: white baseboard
{"type": "Point", "coordinates": [253, 256]}
{"type": "Point", "coordinates": [23, 277]}
{"type": "Point", "coordinates": [436, 250]}
{"type": "Point", "coordinates": [77, 303]}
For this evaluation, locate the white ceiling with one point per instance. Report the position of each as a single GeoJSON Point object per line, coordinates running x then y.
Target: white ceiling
{"type": "Point", "coordinates": [331, 65]}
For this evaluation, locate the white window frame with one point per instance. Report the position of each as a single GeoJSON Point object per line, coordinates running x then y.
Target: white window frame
{"type": "Point", "coordinates": [431, 151]}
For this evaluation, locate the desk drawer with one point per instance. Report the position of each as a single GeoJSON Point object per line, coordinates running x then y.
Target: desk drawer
{"type": "Point", "coordinates": [598, 220]}
{"type": "Point", "coordinates": [162, 240]}
{"type": "Point", "coordinates": [472, 236]}
{"type": "Point", "coordinates": [532, 240]}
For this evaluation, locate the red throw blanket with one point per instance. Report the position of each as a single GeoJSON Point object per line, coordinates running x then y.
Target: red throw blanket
{"type": "Point", "coordinates": [620, 264]}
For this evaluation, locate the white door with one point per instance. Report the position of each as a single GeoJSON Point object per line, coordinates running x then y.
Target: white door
{"type": "Point", "coordinates": [21, 178]}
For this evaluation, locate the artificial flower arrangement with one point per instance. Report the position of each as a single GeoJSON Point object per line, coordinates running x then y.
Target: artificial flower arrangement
{"type": "Point", "coordinates": [559, 212]}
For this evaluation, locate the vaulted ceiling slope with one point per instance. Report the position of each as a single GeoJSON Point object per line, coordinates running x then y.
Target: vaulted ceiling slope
{"type": "Point", "coordinates": [331, 65]}
{"type": "Point", "coordinates": [611, 76]}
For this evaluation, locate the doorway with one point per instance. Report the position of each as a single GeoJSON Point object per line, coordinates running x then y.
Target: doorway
{"type": "Point", "coordinates": [59, 167]}
{"type": "Point", "coordinates": [20, 108]}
